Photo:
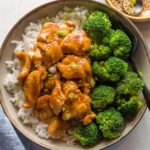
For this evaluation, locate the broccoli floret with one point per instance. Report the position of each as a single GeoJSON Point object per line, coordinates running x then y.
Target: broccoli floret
{"type": "Point", "coordinates": [102, 16]}
{"type": "Point", "coordinates": [99, 70]}
{"type": "Point", "coordinates": [129, 107]}
{"type": "Point", "coordinates": [120, 44]}
{"type": "Point", "coordinates": [113, 69]}
{"type": "Point", "coordinates": [99, 52]}
{"type": "Point", "coordinates": [94, 27]}
{"type": "Point", "coordinates": [131, 84]}
{"type": "Point", "coordinates": [106, 39]}
{"type": "Point", "coordinates": [111, 123]}
{"type": "Point", "coordinates": [88, 135]}
{"type": "Point", "coordinates": [116, 67]}
{"type": "Point", "coordinates": [102, 96]}
{"type": "Point", "coordinates": [97, 25]}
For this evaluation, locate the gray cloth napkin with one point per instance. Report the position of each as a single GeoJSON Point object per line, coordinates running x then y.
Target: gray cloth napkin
{"type": "Point", "coordinates": [11, 140]}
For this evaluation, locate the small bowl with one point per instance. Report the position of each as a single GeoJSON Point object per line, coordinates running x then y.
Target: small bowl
{"type": "Point", "coordinates": [144, 16]}
{"type": "Point", "coordinates": [7, 53]}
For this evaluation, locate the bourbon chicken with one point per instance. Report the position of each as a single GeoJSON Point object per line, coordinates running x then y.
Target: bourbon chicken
{"type": "Point", "coordinates": [69, 87]}
{"type": "Point", "coordinates": [51, 32]}
{"type": "Point", "coordinates": [76, 43]}
{"type": "Point", "coordinates": [74, 67]}
{"type": "Point", "coordinates": [38, 62]}
{"type": "Point", "coordinates": [32, 89]}
{"type": "Point", "coordinates": [57, 127]}
{"type": "Point", "coordinates": [63, 95]}
{"type": "Point", "coordinates": [52, 53]}
{"type": "Point", "coordinates": [26, 65]}
{"type": "Point", "coordinates": [43, 110]}
{"type": "Point", "coordinates": [49, 83]}
{"type": "Point", "coordinates": [57, 99]}
{"type": "Point", "coordinates": [77, 105]}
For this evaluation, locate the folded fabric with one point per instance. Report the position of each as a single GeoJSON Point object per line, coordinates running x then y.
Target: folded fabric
{"type": "Point", "coordinates": [8, 137]}
{"type": "Point", "coordinates": [11, 139]}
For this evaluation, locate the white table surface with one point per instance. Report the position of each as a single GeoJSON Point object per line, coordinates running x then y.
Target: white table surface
{"type": "Point", "coordinates": [12, 10]}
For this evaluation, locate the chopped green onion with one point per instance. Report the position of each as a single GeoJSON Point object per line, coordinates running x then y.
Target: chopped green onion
{"type": "Point", "coordinates": [65, 16]}
{"type": "Point", "coordinates": [47, 19]}
{"type": "Point", "coordinates": [61, 33]}
{"type": "Point", "coordinates": [17, 84]}
{"type": "Point", "coordinates": [71, 29]}
{"type": "Point", "coordinates": [74, 65]}
{"type": "Point", "coordinates": [67, 117]}
{"type": "Point", "coordinates": [71, 95]}
{"type": "Point", "coordinates": [17, 99]}
{"type": "Point", "coordinates": [50, 76]}
{"type": "Point", "coordinates": [63, 109]}
{"type": "Point", "coordinates": [79, 82]}
{"type": "Point", "coordinates": [92, 82]}
{"type": "Point", "coordinates": [30, 53]}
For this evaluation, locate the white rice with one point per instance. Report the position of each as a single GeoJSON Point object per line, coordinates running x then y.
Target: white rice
{"type": "Point", "coordinates": [78, 15]}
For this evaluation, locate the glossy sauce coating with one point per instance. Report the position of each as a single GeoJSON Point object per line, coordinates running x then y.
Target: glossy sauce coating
{"type": "Point", "coordinates": [57, 77]}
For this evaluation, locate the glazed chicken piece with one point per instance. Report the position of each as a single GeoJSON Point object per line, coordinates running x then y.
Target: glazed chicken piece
{"type": "Point", "coordinates": [78, 107]}
{"type": "Point", "coordinates": [69, 87]}
{"type": "Point", "coordinates": [52, 53]}
{"type": "Point", "coordinates": [32, 88]}
{"type": "Point", "coordinates": [43, 102]}
{"type": "Point", "coordinates": [50, 32]}
{"type": "Point", "coordinates": [47, 33]}
{"type": "Point", "coordinates": [38, 62]}
{"type": "Point", "coordinates": [57, 127]}
{"type": "Point", "coordinates": [89, 118]}
{"type": "Point", "coordinates": [76, 42]}
{"type": "Point", "coordinates": [73, 67]}
{"type": "Point", "coordinates": [37, 57]}
{"type": "Point", "coordinates": [57, 99]}
{"type": "Point", "coordinates": [50, 82]}
{"type": "Point", "coordinates": [44, 72]}
{"type": "Point", "coordinates": [26, 65]}
{"type": "Point", "coordinates": [43, 110]}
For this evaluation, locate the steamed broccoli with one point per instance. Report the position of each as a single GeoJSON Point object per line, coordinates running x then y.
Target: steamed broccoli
{"type": "Point", "coordinates": [102, 96]}
{"type": "Point", "coordinates": [112, 69]}
{"type": "Point", "coordinates": [102, 16]}
{"type": "Point", "coordinates": [120, 43]}
{"type": "Point", "coordinates": [116, 67]}
{"type": "Point", "coordinates": [88, 135]}
{"type": "Point", "coordinates": [106, 39]}
{"type": "Point", "coordinates": [129, 107]}
{"type": "Point", "coordinates": [99, 70]}
{"type": "Point", "coordinates": [99, 52]}
{"type": "Point", "coordinates": [111, 123]}
{"type": "Point", "coordinates": [97, 25]}
{"type": "Point", "coordinates": [131, 84]}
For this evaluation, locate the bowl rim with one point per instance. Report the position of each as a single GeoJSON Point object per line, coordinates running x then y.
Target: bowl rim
{"type": "Point", "coordinates": [4, 43]}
